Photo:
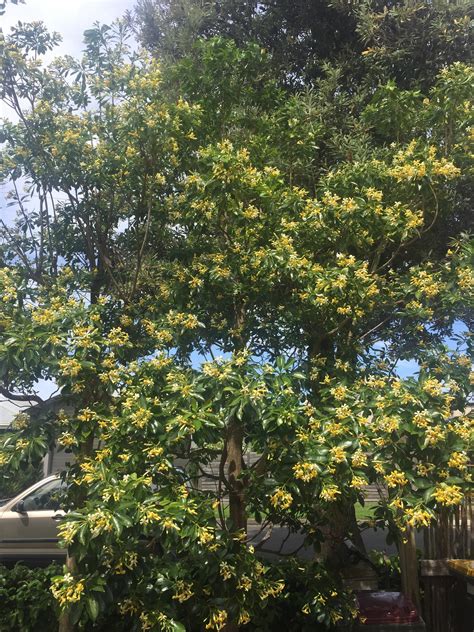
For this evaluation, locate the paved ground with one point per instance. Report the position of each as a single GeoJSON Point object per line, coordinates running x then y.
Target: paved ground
{"type": "Point", "coordinates": [280, 541]}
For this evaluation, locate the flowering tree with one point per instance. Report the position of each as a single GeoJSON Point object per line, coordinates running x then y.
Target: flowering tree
{"type": "Point", "coordinates": [185, 208]}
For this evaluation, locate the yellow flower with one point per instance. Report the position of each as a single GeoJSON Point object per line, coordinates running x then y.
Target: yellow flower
{"type": "Point", "coordinates": [348, 204]}
{"type": "Point", "coordinates": [343, 411]}
{"type": "Point", "coordinates": [251, 212]}
{"type": "Point", "coordinates": [100, 455]}
{"type": "Point", "coordinates": [43, 316]}
{"type": "Point", "coordinates": [329, 493]}
{"type": "Point", "coordinates": [448, 495]}
{"type": "Point", "coordinates": [433, 387]}
{"type": "Point", "coordinates": [273, 589]}
{"type": "Point", "coordinates": [86, 414]}
{"type": "Point", "coordinates": [373, 194]}
{"type": "Point", "coordinates": [69, 367]}
{"type": "Point", "coordinates": [145, 621]}
{"type": "Point", "coordinates": [182, 591]}
{"type": "Point", "coordinates": [205, 535]}
{"type": "Point", "coordinates": [117, 337]}
{"type": "Point", "coordinates": [334, 428]}
{"type": "Point", "coordinates": [67, 439]}
{"type": "Point", "coordinates": [397, 503]}
{"type": "Point", "coordinates": [67, 531]}
{"type": "Point", "coordinates": [244, 617]}
{"type": "Point", "coordinates": [217, 620]}
{"type": "Point", "coordinates": [417, 517]}
{"type": "Point", "coordinates": [359, 459]}
{"type": "Point", "coordinates": [434, 435]}
{"type": "Point", "coordinates": [226, 571]}
{"type": "Point", "coordinates": [339, 392]}
{"type": "Point", "coordinates": [245, 583]}
{"type": "Point", "coordinates": [100, 522]}
{"type": "Point", "coordinates": [338, 455]}
{"type": "Point", "coordinates": [421, 419]}
{"type": "Point", "coordinates": [395, 479]}
{"type": "Point", "coordinates": [445, 168]}
{"type": "Point", "coordinates": [141, 417]}
{"type": "Point", "coordinates": [169, 525]}
{"type": "Point", "coordinates": [281, 500]}
{"type": "Point", "coordinates": [423, 469]}
{"type": "Point", "coordinates": [66, 590]}
{"type": "Point", "coordinates": [305, 471]}
{"type": "Point", "coordinates": [358, 482]}
{"type": "Point", "coordinates": [458, 460]}
{"type": "Point", "coordinates": [127, 606]}
{"type": "Point", "coordinates": [148, 516]}
{"type": "Point", "coordinates": [154, 452]}
{"type": "Point", "coordinates": [465, 278]}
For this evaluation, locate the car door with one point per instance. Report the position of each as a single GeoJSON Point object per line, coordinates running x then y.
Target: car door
{"type": "Point", "coordinates": [29, 524]}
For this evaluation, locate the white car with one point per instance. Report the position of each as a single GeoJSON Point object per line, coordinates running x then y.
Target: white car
{"type": "Point", "coordinates": [29, 524]}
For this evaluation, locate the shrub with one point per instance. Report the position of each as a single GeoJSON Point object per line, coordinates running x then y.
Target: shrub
{"type": "Point", "coordinates": [27, 602]}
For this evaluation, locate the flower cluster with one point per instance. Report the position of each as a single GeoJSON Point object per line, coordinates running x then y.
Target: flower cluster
{"type": "Point", "coordinates": [281, 500]}
{"type": "Point", "coordinates": [67, 590]}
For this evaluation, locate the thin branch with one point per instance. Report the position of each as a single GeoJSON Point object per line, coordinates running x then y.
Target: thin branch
{"type": "Point", "coordinates": [25, 217]}
{"type": "Point", "coordinates": [371, 331]}
{"type": "Point", "coordinates": [142, 249]}
{"type": "Point", "coordinates": [411, 241]}
{"type": "Point", "coordinates": [266, 537]}
{"type": "Point", "coordinates": [21, 254]}
{"type": "Point", "coordinates": [378, 253]}
{"type": "Point", "coordinates": [436, 213]}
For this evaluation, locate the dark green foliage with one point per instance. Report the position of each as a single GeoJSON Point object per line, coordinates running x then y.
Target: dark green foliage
{"type": "Point", "coordinates": [10, 486]}
{"type": "Point", "coordinates": [27, 602]}
{"type": "Point", "coordinates": [411, 41]}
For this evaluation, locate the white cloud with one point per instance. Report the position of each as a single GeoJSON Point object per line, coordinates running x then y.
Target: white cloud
{"type": "Point", "coordinates": [69, 18]}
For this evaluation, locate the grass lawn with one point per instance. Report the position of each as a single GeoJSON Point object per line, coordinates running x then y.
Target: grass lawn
{"type": "Point", "coordinates": [362, 512]}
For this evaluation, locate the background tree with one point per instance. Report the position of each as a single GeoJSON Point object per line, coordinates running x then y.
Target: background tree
{"type": "Point", "coordinates": [410, 41]}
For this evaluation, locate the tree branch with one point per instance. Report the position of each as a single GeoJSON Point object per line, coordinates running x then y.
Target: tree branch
{"type": "Point", "coordinates": [20, 397]}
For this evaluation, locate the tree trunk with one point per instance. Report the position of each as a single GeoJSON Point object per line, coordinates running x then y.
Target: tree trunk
{"type": "Point", "coordinates": [65, 623]}
{"type": "Point", "coordinates": [238, 516]}
{"type": "Point", "coordinates": [341, 524]}
{"type": "Point", "coordinates": [237, 512]}
{"type": "Point", "coordinates": [340, 517]}
{"type": "Point", "coordinates": [409, 567]}
{"type": "Point", "coordinates": [234, 450]}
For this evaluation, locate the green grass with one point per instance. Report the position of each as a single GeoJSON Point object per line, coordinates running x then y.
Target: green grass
{"type": "Point", "coordinates": [362, 512]}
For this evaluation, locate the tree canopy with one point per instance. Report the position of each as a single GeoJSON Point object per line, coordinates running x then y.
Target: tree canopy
{"type": "Point", "coordinates": [229, 248]}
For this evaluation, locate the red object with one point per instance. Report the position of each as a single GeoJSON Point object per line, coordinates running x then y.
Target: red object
{"type": "Point", "coordinates": [385, 607]}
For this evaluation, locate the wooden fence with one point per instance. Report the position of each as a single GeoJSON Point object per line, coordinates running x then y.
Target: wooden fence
{"type": "Point", "coordinates": [451, 538]}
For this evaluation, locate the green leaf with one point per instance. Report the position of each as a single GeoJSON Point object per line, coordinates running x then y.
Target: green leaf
{"type": "Point", "coordinates": [92, 608]}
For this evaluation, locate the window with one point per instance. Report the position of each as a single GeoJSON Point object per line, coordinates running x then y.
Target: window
{"type": "Point", "coordinates": [46, 497]}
